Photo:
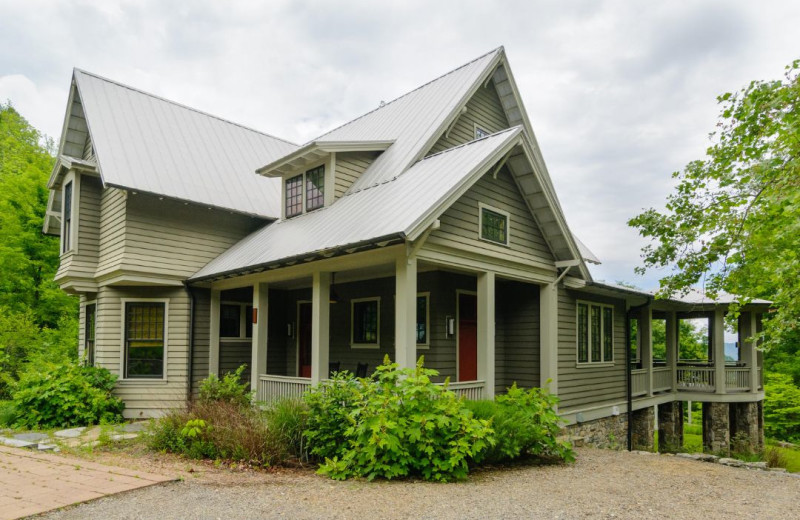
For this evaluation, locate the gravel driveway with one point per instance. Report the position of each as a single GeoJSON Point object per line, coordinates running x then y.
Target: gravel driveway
{"type": "Point", "coordinates": [602, 484]}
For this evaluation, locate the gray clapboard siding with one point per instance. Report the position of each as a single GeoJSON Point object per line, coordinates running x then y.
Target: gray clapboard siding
{"type": "Point", "coordinates": [113, 206]}
{"type": "Point", "coordinates": [82, 262]}
{"type": "Point", "coordinates": [459, 223]}
{"type": "Point", "coordinates": [88, 149]}
{"type": "Point", "coordinates": [483, 109]}
{"type": "Point", "coordinates": [349, 167]}
{"type": "Point", "coordinates": [232, 355]}
{"type": "Point", "coordinates": [202, 316]}
{"type": "Point", "coordinates": [588, 386]}
{"type": "Point", "coordinates": [516, 335]}
{"type": "Point", "coordinates": [77, 130]}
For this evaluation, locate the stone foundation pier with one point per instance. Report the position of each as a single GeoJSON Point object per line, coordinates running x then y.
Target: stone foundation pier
{"type": "Point", "coordinates": [642, 429]}
{"type": "Point", "coordinates": [747, 428]}
{"type": "Point", "coordinates": [716, 428]}
{"type": "Point", "coordinates": [670, 427]}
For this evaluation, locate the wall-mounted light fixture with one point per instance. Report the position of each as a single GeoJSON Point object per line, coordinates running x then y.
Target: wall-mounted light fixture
{"type": "Point", "coordinates": [290, 329]}
{"type": "Point", "coordinates": [450, 326]}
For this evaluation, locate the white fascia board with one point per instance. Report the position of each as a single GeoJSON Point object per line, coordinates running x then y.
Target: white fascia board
{"type": "Point", "coordinates": [316, 147]}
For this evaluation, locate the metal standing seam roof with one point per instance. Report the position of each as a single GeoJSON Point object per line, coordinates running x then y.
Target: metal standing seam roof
{"type": "Point", "coordinates": [410, 120]}
{"type": "Point", "coordinates": [146, 143]}
{"type": "Point", "coordinates": [393, 208]}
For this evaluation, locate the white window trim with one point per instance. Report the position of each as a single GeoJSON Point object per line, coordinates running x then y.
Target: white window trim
{"type": "Point", "coordinates": [481, 207]}
{"type": "Point", "coordinates": [82, 352]}
{"type": "Point", "coordinates": [75, 179]}
{"type": "Point", "coordinates": [353, 344]}
{"type": "Point", "coordinates": [590, 363]}
{"type": "Point", "coordinates": [142, 380]}
{"type": "Point", "coordinates": [427, 344]}
{"type": "Point", "coordinates": [328, 164]}
{"type": "Point", "coordinates": [242, 337]}
{"type": "Point", "coordinates": [475, 127]}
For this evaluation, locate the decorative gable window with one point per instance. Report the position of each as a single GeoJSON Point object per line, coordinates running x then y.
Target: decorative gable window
{"type": "Point", "coordinates": [305, 192]}
{"type": "Point", "coordinates": [66, 234]}
{"type": "Point", "coordinates": [595, 334]}
{"type": "Point", "coordinates": [480, 132]}
{"type": "Point", "coordinates": [366, 318]}
{"type": "Point", "coordinates": [493, 224]}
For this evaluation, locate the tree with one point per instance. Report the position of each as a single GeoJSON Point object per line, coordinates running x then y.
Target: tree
{"type": "Point", "coordinates": [733, 220]}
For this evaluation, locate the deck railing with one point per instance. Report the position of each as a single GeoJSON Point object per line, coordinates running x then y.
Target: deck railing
{"type": "Point", "coordinates": [639, 381]}
{"type": "Point", "coordinates": [696, 379]}
{"type": "Point", "coordinates": [274, 388]}
{"type": "Point", "coordinates": [662, 379]}
{"type": "Point", "coordinates": [737, 379]}
{"type": "Point", "coordinates": [472, 390]}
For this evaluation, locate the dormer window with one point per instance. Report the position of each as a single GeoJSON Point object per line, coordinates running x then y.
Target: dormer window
{"type": "Point", "coordinates": [305, 192]}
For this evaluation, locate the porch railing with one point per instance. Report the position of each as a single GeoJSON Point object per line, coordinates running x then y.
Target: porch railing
{"type": "Point", "coordinates": [696, 379]}
{"type": "Point", "coordinates": [737, 379]}
{"type": "Point", "coordinates": [472, 390]}
{"type": "Point", "coordinates": [662, 379]}
{"type": "Point", "coordinates": [274, 388]}
{"type": "Point", "coordinates": [639, 381]}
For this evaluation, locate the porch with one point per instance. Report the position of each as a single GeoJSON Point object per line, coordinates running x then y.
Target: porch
{"type": "Point", "coordinates": [479, 330]}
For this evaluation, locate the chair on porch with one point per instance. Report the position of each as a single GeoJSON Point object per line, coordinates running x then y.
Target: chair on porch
{"type": "Point", "coordinates": [361, 370]}
{"type": "Point", "coordinates": [333, 366]}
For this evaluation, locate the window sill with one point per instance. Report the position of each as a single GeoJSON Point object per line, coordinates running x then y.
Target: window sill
{"type": "Point", "coordinates": [365, 346]}
{"type": "Point", "coordinates": [605, 364]}
{"type": "Point", "coordinates": [236, 340]}
{"type": "Point", "coordinates": [488, 241]}
{"type": "Point", "coordinates": [425, 346]}
{"type": "Point", "coordinates": [141, 381]}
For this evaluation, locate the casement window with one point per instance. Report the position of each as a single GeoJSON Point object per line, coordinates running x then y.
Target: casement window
{"type": "Point", "coordinates": [365, 322]}
{"type": "Point", "coordinates": [66, 233]}
{"type": "Point", "coordinates": [423, 319]}
{"type": "Point", "coordinates": [89, 333]}
{"type": "Point", "coordinates": [595, 333]}
{"type": "Point", "coordinates": [493, 224]}
{"type": "Point", "coordinates": [294, 196]}
{"type": "Point", "coordinates": [145, 339]}
{"type": "Point", "coordinates": [480, 132]}
{"type": "Point", "coordinates": [305, 192]}
{"type": "Point", "coordinates": [235, 321]}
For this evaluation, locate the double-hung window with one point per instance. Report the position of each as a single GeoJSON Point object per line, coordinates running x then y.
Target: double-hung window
{"type": "Point", "coordinates": [305, 192]}
{"type": "Point", "coordinates": [315, 188]}
{"type": "Point", "coordinates": [88, 333]}
{"type": "Point", "coordinates": [366, 319]}
{"type": "Point", "coordinates": [595, 333]}
{"type": "Point", "coordinates": [493, 224]}
{"type": "Point", "coordinates": [294, 196]}
{"type": "Point", "coordinates": [235, 321]}
{"type": "Point", "coordinates": [144, 339]}
{"type": "Point", "coordinates": [66, 235]}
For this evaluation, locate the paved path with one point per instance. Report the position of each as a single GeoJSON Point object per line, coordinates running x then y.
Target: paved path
{"type": "Point", "coordinates": [32, 483]}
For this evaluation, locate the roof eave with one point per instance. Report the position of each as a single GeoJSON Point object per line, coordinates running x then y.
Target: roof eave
{"type": "Point", "coordinates": [316, 150]}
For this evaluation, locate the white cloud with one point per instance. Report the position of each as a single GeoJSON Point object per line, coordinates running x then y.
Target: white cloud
{"type": "Point", "coordinates": [620, 93]}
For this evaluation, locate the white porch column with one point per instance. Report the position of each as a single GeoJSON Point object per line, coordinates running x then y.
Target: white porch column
{"type": "Point", "coordinates": [672, 348]}
{"type": "Point", "coordinates": [405, 313]}
{"type": "Point", "coordinates": [718, 347]}
{"type": "Point", "coordinates": [548, 337]}
{"type": "Point", "coordinates": [213, 334]}
{"type": "Point", "coordinates": [320, 325]}
{"type": "Point", "coordinates": [646, 344]}
{"type": "Point", "coordinates": [747, 328]}
{"type": "Point", "coordinates": [258, 363]}
{"type": "Point", "coordinates": [486, 318]}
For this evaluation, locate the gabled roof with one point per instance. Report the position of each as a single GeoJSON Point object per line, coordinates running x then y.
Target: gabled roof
{"type": "Point", "coordinates": [146, 143]}
{"type": "Point", "coordinates": [399, 208]}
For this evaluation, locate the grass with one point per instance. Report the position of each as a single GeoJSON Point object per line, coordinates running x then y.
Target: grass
{"type": "Point", "coordinates": [789, 455]}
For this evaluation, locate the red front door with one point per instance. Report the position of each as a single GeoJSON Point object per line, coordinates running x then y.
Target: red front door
{"type": "Point", "coordinates": [467, 337]}
{"type": "Point", "coordinates": [304, 339]}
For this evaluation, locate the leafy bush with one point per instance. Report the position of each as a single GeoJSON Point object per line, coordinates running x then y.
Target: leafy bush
{"type": "Point", "coordinates": [67, 394]}
{"type": "Point", "coordinates": [7, 414]}
{"type": "Point", "coordinates": [781, 408]}
{"type": "Point", "coordinates": [525, 424]}
{"type": "Point", "coordinates": [397, 424]}
{"type": "Point", "coordinates": [287, 422]}
{"type": "Point", "coordinates": [230, 388]}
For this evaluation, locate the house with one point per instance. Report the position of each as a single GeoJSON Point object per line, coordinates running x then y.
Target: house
{"type": "Point", "coordinates": [428, 226]}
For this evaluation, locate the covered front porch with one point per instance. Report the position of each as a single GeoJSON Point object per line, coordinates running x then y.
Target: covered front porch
{"type": "Point", "coordinates": [297, 325]}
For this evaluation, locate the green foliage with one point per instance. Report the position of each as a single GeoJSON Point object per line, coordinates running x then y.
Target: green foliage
{"type": "Point", "coordinates": [7, 414]}
{"type": "Point", "coordinates": [733, 220]}
{"type": "Point", "coordinates": [65, 394]}
{"type": "Point", "coordinates": [525, 425]}
{"type": "Point", "coordinates": [230, 388]}
{"type": "Point", "coordinates": [193, 428]}
{"type": "Point", "coordinates": [398, 423]}
{"type": "Point", "coordinates": [287, 422]}
{"type": "Point", "coordinates": [330, 407]}
{"type": "Point", "coordinates": [693, 341]}
{"type": "Point", "coordinates": [781, 408]}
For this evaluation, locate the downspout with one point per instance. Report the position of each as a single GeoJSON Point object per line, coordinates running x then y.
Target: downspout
{"type": "Point", "coordinates": [190, 362]}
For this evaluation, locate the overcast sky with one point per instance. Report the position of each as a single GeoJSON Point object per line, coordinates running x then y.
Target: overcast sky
{"type": "Point", "coordinates": [620, 94]}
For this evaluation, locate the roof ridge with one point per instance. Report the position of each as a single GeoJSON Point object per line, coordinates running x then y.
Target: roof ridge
{"type": "Point", "coordinates": [500, 48]}
{"type": "Point", "coordinates": [181, 105]}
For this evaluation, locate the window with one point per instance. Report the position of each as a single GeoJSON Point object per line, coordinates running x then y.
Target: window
{"type": "Point", "coordinates": [493, 224]}
{"type": "Point", "coordinates": [480, 132]}
{"type": "Point", "coordinates": [595, 334]}
{"type": "Point", "coordinates": [66, 235]}
{"type": "Point", "coordinates": [366, 322]}
{"type": "Point", "coordinates": [315, 188]}
{"type": "Point", "coordinates": [235, 321]}
{"type": "Point", "coordinates": [422, 319]}
{"type": "Point", "coordinates": [144, 340]}
{"type": "Point", "coordinates": [88, 333]}
{"type": "Point", "coordinates": [294, 196]}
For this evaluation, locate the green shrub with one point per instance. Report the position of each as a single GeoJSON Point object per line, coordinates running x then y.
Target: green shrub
{"type": "Point", "coordinates": [330, 405]}
{"type": "Point", "coordinates": [7, 414]}
{"type": "Point", "coordinates": [781, 408]}
{"type": "Point", "coordinates": [525, 425]}
{"type": "Point", "coordinates": [287, 422]}
{"type": "Point", "coordinates": [230, 388]}
{"type": "Point", "coordinates": [67, 394]}
{"type": "Point", "coordinates": [397, 424]}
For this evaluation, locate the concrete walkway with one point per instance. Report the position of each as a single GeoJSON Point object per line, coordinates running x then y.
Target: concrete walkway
{"type": "Point", "coordinates": [32, 483]}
